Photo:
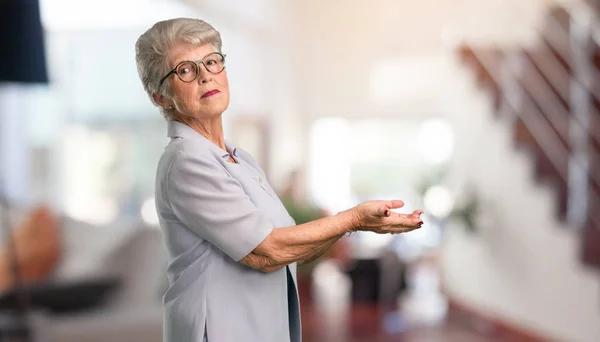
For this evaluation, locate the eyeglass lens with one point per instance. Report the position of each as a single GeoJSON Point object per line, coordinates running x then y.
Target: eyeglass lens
{"type": "Point", "coordinates": [188, 71]}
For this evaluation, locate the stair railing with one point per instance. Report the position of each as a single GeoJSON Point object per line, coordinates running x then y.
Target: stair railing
{"type": "Point", "coordinates": [576, 131]}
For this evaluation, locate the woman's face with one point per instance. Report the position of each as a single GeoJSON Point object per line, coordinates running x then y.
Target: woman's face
{"type": "Point", "coordinates": [205, 97]}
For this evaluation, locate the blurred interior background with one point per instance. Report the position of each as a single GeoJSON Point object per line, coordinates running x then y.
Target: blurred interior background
{"type": "Point", "coordinates": [484, 113]}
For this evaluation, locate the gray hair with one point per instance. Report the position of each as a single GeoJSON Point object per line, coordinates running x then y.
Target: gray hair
{"type": "Point", "coordinates": [152, 47]}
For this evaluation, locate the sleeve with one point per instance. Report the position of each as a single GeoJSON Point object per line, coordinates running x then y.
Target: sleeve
{"type": "Point", "coordinates": [213, 204]}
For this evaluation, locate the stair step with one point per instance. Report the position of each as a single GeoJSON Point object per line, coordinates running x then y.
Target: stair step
{"type": "Point", "coordinates": [591, 245]}
{"type": "Point", "coordinates": [544, 84]}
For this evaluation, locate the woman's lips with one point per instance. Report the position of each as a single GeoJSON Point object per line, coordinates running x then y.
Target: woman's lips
{"type": "Point", "coordinates": [210, 93]}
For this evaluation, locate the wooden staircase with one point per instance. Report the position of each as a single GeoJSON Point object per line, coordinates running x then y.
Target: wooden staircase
{"type": "Point", "coordinates": [551, 94]}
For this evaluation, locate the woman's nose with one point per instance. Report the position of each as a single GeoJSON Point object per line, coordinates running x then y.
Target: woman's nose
{"type": "Point", "coordinates": [204, 75]}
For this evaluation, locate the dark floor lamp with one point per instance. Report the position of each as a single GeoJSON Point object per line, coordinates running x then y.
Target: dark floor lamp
{"type": "Point", "coordinates": [22, 61]}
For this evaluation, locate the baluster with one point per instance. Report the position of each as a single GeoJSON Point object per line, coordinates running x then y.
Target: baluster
{"type": "Point", "coordinates": [580, 100]}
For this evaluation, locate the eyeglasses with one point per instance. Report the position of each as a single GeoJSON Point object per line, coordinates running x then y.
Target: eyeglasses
{"type": "Point", "coordinates": [188, 71]}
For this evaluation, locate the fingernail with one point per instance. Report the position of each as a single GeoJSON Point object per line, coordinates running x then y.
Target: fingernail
{"type": "Point", "coordinates": [386, 212]}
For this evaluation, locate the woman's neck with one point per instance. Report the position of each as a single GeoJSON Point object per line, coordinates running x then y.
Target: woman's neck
{"type": "Point", "coordinates": [211, 129]}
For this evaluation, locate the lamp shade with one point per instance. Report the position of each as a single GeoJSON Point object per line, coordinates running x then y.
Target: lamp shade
{"type": "Point", "coordinates": [22, 57]}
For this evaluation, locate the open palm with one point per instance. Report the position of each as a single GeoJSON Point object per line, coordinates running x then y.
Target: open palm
{"type": "Point", "coordinates": [378, 217]}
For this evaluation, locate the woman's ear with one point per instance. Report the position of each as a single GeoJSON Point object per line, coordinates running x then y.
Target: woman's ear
{"type": "Point", "coordinates": [162, 101]}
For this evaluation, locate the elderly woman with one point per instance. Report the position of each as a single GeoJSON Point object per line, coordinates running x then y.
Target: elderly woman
{"type": "Point", "coordinates": [233, 247]}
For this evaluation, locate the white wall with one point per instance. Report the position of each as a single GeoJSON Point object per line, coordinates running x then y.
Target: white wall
{"type": "Point", "coordinates": [524, 258]}
{"type": "Point", "coordinates": [326, 52]}
{"type": "Point", "coordinates": [337, 48]}
{"type": "Point", "coordinates": [523, 266]}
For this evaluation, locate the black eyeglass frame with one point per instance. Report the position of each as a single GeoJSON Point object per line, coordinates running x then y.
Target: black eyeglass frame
{"type": "Point", "coordinates": [201, 61]}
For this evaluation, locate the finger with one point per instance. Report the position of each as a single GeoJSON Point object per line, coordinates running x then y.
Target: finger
{"type": "Point", "coordinates": [417, 213]}
{"type": "Point", "coordinates": [395, 204]}
{"type": "Point", "coordinates": [403, 230]}
{"type": "Point", "coordinates": [386, 209]}
{"type": "Point", "coordinates": [414, 214]}
{"type": "Point", "coordinates": [408, 220]}
{"type": "Point", "coordinates": [411, 225]}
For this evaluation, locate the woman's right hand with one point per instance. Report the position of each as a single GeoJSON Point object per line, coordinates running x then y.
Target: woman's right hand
{"type": "Point", "coordinates": [378, 217]}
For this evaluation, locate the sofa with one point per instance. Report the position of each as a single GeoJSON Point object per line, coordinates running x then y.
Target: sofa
{"type": "Point", "coordinates": [132, 252]}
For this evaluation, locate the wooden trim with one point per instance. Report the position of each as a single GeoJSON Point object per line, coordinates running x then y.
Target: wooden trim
{"type": "Point", "coordinates": [490, 325]}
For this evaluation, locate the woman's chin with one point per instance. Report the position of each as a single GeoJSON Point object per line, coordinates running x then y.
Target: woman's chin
{"type": "Point", "coordinates": [213, 111]}
{"type": "Point", "coordinates": [219, 108]}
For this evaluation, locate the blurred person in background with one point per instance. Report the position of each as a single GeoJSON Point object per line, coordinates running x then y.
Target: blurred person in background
{"type": "Point", "coordinates": [233, 246]}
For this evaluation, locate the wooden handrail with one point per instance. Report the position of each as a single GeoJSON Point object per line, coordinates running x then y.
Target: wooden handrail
{"type": "Point", "coordinates": [553, 70]}
{"type": "Point", "coordinates": [552, 109]}
{"type": "Point", "coordinates": [556, 153]}
{"type": "Point", "coordinates": [550, 73]}
{"type": "Point", "coordinates": [555, 40]}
